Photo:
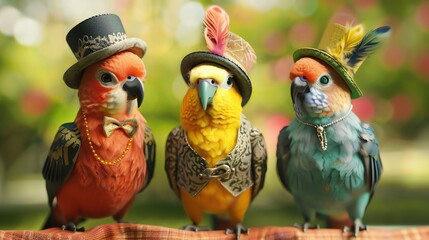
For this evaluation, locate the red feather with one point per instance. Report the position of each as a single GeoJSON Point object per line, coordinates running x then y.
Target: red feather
{"type": "Point", "coordinates": [217, 29]}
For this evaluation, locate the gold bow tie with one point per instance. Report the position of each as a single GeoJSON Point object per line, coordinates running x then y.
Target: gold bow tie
{"type": "Point", "coordinates": [128, 125]}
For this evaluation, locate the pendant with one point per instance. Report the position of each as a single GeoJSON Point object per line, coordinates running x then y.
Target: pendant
{"type": "Point", "coordinates": [321, 135]}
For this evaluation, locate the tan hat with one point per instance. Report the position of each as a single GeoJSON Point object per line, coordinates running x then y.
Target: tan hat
{"type": "Point", "coordinates": [230, 51]}
{"type": "Point", "coordinates": [97, 38]}
{"type": "Point", "coordinates": [345, 48]}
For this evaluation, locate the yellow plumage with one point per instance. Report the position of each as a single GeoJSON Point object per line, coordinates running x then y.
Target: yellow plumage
{"type": "Point", "coordinates": [213, 134]}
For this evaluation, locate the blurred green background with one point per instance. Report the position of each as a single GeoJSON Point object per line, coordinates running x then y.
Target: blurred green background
{"type": "Point", "coordinates": [34, 100]}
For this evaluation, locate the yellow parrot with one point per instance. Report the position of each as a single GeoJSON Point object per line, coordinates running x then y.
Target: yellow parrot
{"type": "Point", "coordinates": [215, 160]}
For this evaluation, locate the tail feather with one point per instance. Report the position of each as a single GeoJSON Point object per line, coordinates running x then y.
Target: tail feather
{"type": "Point", "coordinates": [52, 222]}
{"type": "Point", "coordinates": [49, 222]}
{"type": "Point", "coordinates": [338, 221]}
{"type": "Point", "coordinates": [219, 223]}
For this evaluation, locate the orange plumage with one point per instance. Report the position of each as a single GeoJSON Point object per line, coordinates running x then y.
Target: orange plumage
{"type": "Point", "coordinates": [312, 70]}
{"type": "Point", "coordinates": [95, 189]}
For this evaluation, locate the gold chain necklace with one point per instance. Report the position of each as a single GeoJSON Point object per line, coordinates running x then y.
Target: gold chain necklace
{"type": "Point", "coordinates": [94, 153]}
{"type": "Point", "coordinates": [320, 128]}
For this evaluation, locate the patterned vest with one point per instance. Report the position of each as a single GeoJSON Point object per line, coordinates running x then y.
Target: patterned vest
{"type": "Point", "coordinates": [233, 172]}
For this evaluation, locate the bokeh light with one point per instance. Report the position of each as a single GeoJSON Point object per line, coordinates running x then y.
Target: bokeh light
{"type": "Point", "coordinates": [28, 31]}
{"type": "Point", "coordinates": [403, 108]}
{"type": "Point", "coordinates": [365, 4]}
{"type": "Point", "coordinates": [305, 7]}
{"type": "Point", "coordinates": [274, 124]}
{"type": "Point", "coordinates": [394, 56]}
{"type": "Point", "coordinates": [274, 42]}
{"type": "Point", "coordinates": [188, 31]}
{"type": "Point", "coordinates": [364, 108]}
{"type": "Point", "coordinates": [422, 15]}
{"type": "Point", "coordinates": [8, 17]}
{"type": "Point", "coordinates": [281, 68]}
{"type": "Point", "coordinates": [35, 102]}
{"type": "Point", "coordinates": [302, 34]}
{"type": "Point", "coordinates": [421, 63]}
{"type": "Point", "coordinates": [344, 15]}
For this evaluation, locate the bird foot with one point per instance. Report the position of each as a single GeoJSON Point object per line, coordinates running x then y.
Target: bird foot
{"type": "Point", "coordinates": [356, 228]}
{"type": "Point", "coordinates": [239, 229]}
{"type": "Point", "coordinates": [70, 226]}
{"type": "Point", "coordinates": [307, 225]}
{"type": "Point", "coordinates": [195, 228]}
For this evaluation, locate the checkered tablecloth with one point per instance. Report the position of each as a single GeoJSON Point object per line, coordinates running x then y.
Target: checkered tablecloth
{"type": "Point", "coordinates": [140, 231]}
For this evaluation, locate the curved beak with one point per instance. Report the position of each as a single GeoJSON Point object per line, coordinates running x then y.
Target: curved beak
{"type": "Point", "coordinates": [206, 91]}
{"type": "Point", "coordinates": [134, 88]}
{"type": "Point", "coordinates": [298, 89]}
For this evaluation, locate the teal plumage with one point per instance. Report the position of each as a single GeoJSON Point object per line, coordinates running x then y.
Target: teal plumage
{"type": "Point", "coordinates": [334, 181]}
{"type": "Point", "coordinates": [327, 158]}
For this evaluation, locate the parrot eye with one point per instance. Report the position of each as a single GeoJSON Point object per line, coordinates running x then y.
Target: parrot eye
{"type": "Point", "coordinates": [324, 80]}
{"type": "Point", "coordinates": [106, 78]}
{"type": "Point", "coordinates": [228, 82]}
{"type": "Point", "coordinates": [131, 78]}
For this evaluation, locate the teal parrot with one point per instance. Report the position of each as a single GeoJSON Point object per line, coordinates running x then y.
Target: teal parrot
{"type": "Point", "coordinates": [327, 158]}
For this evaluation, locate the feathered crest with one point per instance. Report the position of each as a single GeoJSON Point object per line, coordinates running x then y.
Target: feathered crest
{"type": "Point", "coordinates": [216, 29]}
{"type": "Point", "coordinates": [355, 46]}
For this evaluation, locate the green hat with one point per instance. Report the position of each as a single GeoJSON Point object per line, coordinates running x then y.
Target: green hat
{"type": "Point", "coordinates": [345, 48]}
{"type": "Point", "coordinates": [97, 38]}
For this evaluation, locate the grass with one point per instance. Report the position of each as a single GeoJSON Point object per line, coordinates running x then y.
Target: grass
{"type": "Point", "coordinates": [393, 204]}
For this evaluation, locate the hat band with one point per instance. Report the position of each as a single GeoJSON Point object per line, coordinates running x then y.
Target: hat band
{"type": "Point", "coordinates": [89, 44]}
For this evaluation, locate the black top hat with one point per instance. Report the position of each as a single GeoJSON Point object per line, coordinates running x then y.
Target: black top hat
{"type": "Point", "coordinates": [97, 38]}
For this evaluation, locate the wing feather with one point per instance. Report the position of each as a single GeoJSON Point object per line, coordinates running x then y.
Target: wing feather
{"type": "Point", "coordinates": [150, 156]}
{"type": "Point", "coordinates": [370, 155]}
{"type": "Point", "coordinates": [171, 159]}
{"type": "Point", "coordinates": [283, 156]}
{"type": "Point", "coordinates": [259, 160]}
{"type": "Point", "coordinates": [61, 158]}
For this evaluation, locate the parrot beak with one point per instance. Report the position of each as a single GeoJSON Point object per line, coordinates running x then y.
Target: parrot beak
{"type": "Point", "coordinates": [134, 88]}
{"type": "Point", "coordinates": [206, 91]}
{"type": "Point", "coordinates": [298, 89]}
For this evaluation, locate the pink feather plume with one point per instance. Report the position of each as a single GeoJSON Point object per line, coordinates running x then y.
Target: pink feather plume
{"type": "Point", "coordinates": [216, 29]}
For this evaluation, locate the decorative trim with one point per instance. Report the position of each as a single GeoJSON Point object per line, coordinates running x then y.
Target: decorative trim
{"type": "Point", "coordinates": [89, 44]}
{"type": "Point", "coordinates": [234, 172]}
{"type": "Point", "coordinates": [320, 128]}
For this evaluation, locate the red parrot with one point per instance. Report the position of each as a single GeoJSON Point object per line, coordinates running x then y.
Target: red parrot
{"type": "Point", "coordinates": [98, 163]}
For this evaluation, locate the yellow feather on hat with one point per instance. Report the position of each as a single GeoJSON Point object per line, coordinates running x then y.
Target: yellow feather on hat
{"type": "Point", "coordinates": [352, 37]}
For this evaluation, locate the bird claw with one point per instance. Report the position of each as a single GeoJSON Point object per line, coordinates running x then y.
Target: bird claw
{"type": "Point", "coordinates": [70, 226]}
{"type": "Point", "coordinates": [307, 225]}
{"type": "Point", "coordinates": [356, 228]}
{"type": "Point", "coordinates": [121, 221]}
{"type": "Point", "coordinates": [195, 228]}
{"type": "Point", "coordinates": [239, 229]}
